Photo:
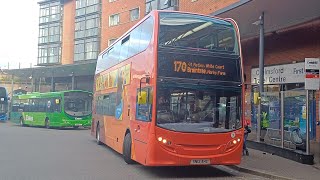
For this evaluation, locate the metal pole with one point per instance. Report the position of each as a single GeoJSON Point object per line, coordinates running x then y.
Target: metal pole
{"type": "Point", "coordinates": [32, 83]}
{"type": "Point", "coordinates": [261, 72]}
{"type": "Point", "coordinates": [40, 84]}
{"type": "Point", "coordinates": [282, 118]}
{"type": "Point", "coordinates": [52, 83]}
{"type": "Point", "coordinates": [72, 85]}
{"type": "Point", "coordinates": [308, 125]}
{"type": "Point", "coordinates": [11, 95]}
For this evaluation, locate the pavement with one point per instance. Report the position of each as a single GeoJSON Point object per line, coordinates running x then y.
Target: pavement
{"type": "Point", "coordinates": [274, 167]}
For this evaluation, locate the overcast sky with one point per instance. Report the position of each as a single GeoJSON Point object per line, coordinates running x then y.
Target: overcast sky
{"type": "Point", "coordinates": [19, 32]}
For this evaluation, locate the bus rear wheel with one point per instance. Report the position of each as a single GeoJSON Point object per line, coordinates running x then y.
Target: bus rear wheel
{"type": "Point", "coordinates": [47, 123]}
{"type": "Point", "coordinates": [127, 149]}
{"type": "Point", "coordinates": [98, 135]}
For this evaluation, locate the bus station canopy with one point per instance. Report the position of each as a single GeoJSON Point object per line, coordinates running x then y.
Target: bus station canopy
{"type": "Point", "coordinates": [78, 69]}
{"type": "Point", "coordinates": [278, 15]}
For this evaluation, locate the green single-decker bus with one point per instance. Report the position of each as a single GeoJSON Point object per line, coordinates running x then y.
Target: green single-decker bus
{"type": "Point", "coordinates": [53, 109]}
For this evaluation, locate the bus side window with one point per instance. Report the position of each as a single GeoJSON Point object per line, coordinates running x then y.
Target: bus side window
{"type": "Point", "coordinates": [144, 104]}
{"type": "Point", "coordinates": [49, 105]}
{"type": "Point", "coordinates": [42, 105]}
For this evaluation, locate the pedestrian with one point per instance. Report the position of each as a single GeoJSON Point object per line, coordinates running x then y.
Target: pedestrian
{"type": "Point", "coordinates": [247, 130]}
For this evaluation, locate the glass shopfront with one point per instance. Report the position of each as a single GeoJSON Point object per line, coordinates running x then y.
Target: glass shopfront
{"type": "Point", "coordinates": [281, 89]}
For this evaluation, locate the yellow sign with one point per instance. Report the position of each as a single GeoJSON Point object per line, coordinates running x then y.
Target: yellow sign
{"type": "Point", "coordinates": [142, 97]}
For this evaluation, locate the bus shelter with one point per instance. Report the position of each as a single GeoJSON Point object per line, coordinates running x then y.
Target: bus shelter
{"type": "Point", "coordinates": [53, 78]}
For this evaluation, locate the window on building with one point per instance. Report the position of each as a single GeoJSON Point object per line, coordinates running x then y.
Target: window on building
{"type": "Point", "coordinates": [161, 4]}
{"type": "Point", "coordinates": [92, 26]}
{"type": "Point", "coordinates": [87, 26]}
{"type": "Point", "coordinates": [84, 7]}
{"type": "Point", "coordinates": [114, 20]}
{"type": "Point", "coordinates": [80, 27]}
{"type": "Point", "coordinates": [150, 5]}
{"type": "Point", "coordinates": [111, 41]}
{"type": "Point", "coordinates": [91, 51]}
{"type": "Point", "coordinates": [49, 54]}
{"type": "Point", "coordinates": [50, 33]}
{"type": "Point", "coordinates": [79, 50]}
{"type": "Point", "coordinates": [134, 14]}
{"type": "Point", "coordinates": [86, 49]}
{"type": "Point", "coordinates": [50, 12]}
{"type": "Point", "coordinates": [168, 4]}
{"type": "Point", "coordinates": [50, 30]}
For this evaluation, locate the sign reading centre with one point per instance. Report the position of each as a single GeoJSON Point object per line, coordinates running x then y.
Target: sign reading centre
{"type": "Point", "coordinates": [280, 74]}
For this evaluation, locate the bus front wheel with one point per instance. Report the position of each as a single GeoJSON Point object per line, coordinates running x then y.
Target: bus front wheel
{"type": "Point", "coordinates": [98, 135]}
{"type": "Point", "coordinates": [127, 149]}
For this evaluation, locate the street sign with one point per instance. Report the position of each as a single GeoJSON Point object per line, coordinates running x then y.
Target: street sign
{"type": "Point", "coordinates": [312, 73]}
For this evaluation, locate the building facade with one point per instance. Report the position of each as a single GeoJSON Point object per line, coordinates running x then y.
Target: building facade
{"type": "Point", "coordinates": [290, 36]}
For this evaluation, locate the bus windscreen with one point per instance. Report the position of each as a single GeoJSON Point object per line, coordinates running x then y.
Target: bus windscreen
{"type": "Point", "coordinates": [192, 108]}
{"type": "Point", "coordinates": [77, 103]}
{"type": "Point", "coordinates": [199, 32]}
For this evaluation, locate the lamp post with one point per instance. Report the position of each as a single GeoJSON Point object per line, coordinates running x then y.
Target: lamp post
{"type": "Point", "coordinates": [260, 22]}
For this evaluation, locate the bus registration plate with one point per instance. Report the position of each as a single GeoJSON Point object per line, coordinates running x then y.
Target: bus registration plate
{"type": "Point", "coordinates": [200, 161]}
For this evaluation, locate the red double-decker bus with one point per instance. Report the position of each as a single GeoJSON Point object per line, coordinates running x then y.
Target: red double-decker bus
{"type": "Point", "coordinates": [169, 92]}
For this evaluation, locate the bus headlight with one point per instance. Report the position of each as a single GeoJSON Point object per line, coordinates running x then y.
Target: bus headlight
{"type": "Point", "coordinates": [234, 142]}
{"type": "Point", "coordinates": [160, 139]}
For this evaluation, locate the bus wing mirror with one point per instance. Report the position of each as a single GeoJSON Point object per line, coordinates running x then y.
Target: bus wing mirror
{"type": "Point", "coordinates": [147, 81]}
{"type": "Point", "coordinates": [142, 97]}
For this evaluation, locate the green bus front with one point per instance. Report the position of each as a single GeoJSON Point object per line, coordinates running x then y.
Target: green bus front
{"type": "Point", "coordinates": [54, 109]}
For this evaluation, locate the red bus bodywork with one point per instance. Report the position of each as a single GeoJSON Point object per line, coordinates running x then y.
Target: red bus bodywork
{"type": "Point", "coordinates": [180, 148]}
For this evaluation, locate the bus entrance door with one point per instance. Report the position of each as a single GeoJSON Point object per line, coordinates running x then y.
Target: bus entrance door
{"type": "Point", "coordinates": [140, 139]}
{"type": "Point", "coordinates": [141, 124]}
